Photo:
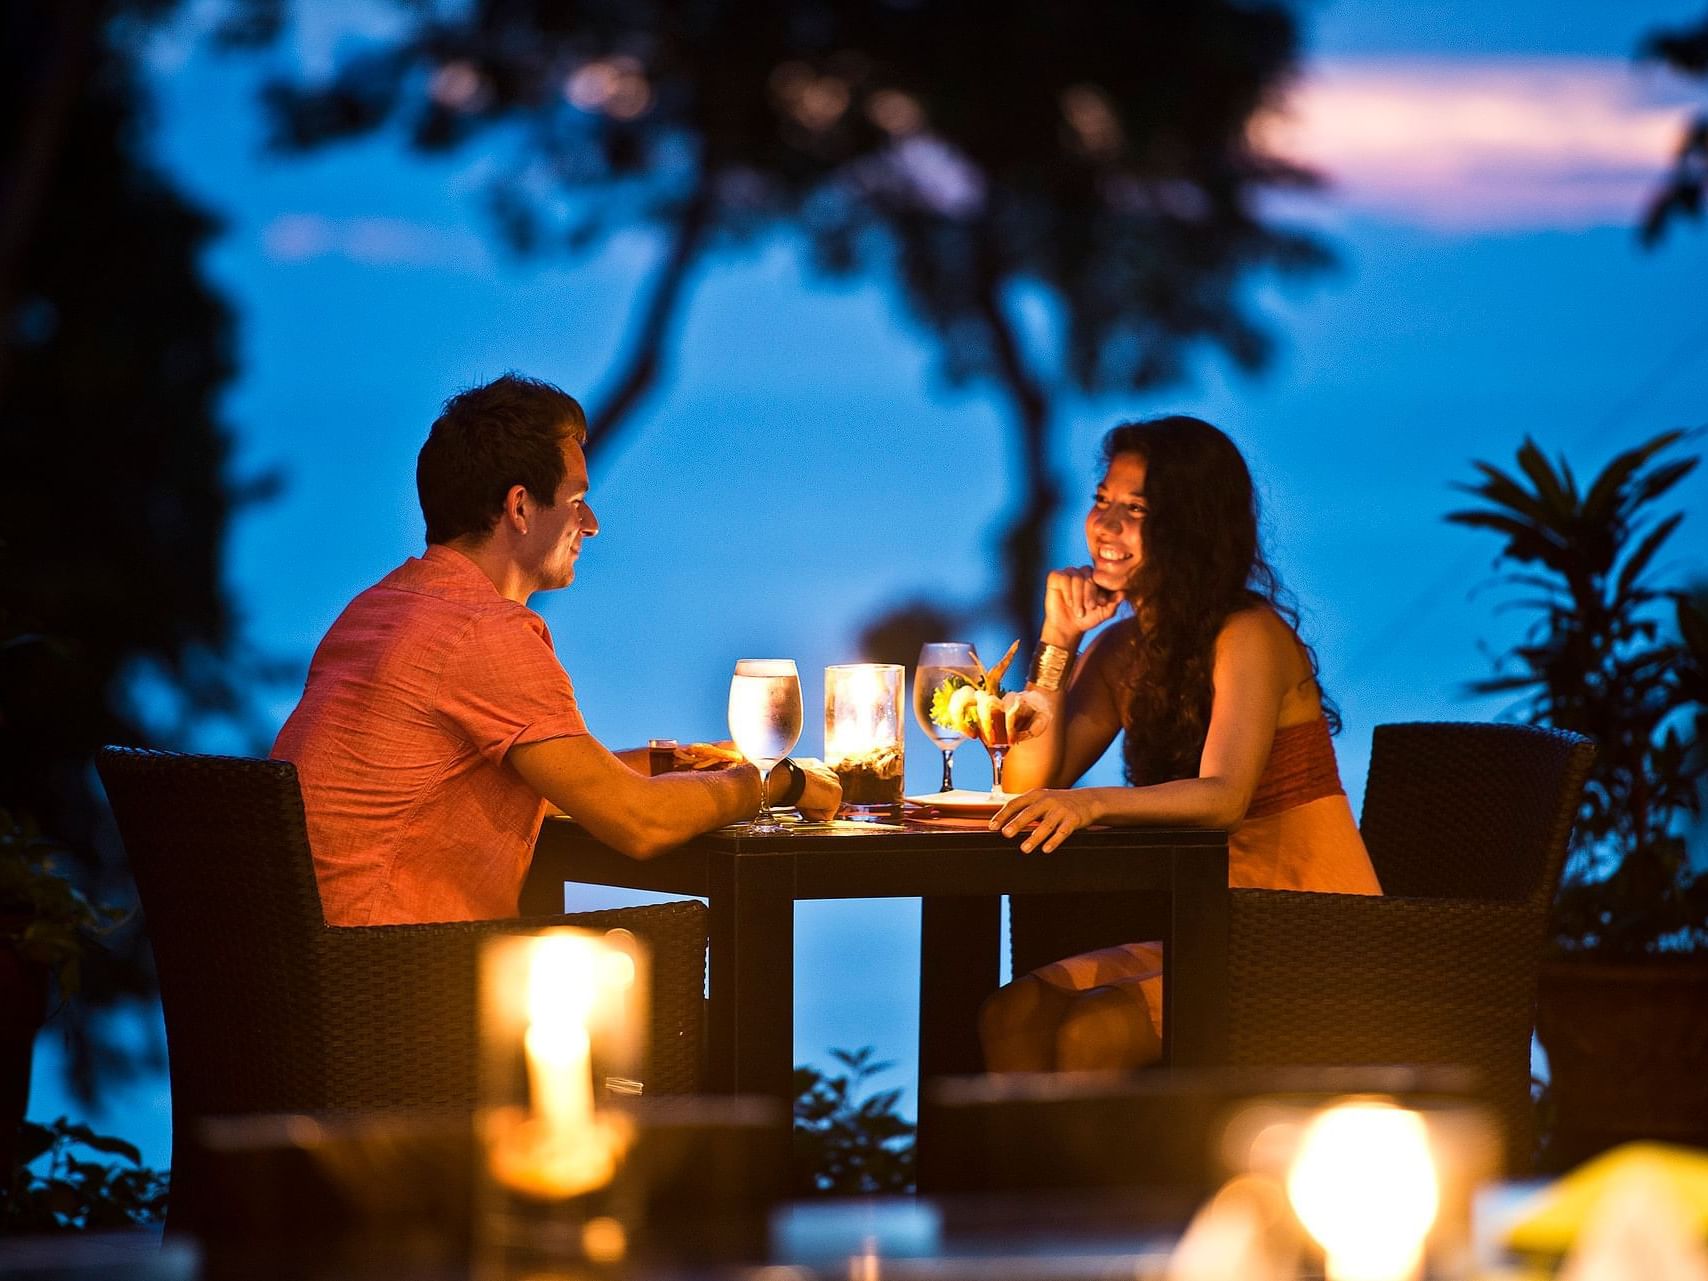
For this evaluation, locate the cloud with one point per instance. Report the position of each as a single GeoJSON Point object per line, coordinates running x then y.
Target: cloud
{"type": "Point", "coordinates": [1462, 144]}
{"type": "Point", "coordinates": [371, 241]}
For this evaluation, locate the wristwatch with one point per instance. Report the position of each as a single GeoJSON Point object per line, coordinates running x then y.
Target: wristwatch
{"type": "Point", "coordinates": [797, 785]}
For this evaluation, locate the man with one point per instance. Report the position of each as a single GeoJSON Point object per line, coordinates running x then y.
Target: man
{"type": "Point", "coordinates": [437, 727]}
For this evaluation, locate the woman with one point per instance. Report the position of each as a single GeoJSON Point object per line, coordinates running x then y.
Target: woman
{"type": "Point", "coordinates": [1225, 726]}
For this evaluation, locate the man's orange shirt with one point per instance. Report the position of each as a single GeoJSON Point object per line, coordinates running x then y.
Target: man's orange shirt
{"type": "Point", "coordinates": [414, 697]}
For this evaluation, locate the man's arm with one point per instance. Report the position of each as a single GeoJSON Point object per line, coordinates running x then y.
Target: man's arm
{"type": "Point", "coordinates": [628, 811]}
{"type": "Point", "coordinates": [639, 759]}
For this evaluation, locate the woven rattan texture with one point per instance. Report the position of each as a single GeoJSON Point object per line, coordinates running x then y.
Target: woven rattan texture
{"type": "Point", "coordinates": [269, 1009]}
{"type": "Point", "coordinates": [1467, 826]}
{"type": "Point", "coordinates": [1472, 810]}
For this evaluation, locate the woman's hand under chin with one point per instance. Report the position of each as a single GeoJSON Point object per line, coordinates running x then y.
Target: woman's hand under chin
{"type": "Point", "coordinates": [1074, 604]}
{"type": "Point", "coordinates": [1057, 814]}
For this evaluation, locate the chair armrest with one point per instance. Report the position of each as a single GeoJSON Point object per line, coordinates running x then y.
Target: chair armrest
{"type": "Point", "coordinates": [1334, 933]}
{"type": "Point", "coordinates": [405, 1014]}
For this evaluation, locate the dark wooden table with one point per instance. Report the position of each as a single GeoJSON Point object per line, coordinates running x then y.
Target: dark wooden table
{"type": "Point", "coordinates": [959, 871]}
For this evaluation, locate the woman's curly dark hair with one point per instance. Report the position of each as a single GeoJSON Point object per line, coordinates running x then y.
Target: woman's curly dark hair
{"type": "Point", "coordinates": [1202, 562]}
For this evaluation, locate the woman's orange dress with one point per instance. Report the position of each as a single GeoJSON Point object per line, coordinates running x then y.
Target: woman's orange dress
{"type": "Point", "coordinates": [1298, 834]}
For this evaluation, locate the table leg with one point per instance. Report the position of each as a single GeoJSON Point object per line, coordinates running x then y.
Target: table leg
{"type": "Point", "coordinates": [1195, 963]}
{"type": "Point", "coordinates": [752, 962]}
{"type": "Point", "coordinates": [542, 890]}
{"type": "Point", "coordinates": [960, 941]}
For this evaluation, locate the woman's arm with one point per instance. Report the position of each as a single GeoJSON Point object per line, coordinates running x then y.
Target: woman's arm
{"type": "Point", "coordinates": [1252, 672]}
{"type": "Point", "coordinates": [1084, 719]}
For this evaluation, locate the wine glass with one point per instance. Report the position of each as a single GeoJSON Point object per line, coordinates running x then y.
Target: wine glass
{"type": "Point", "coordinates": [938, 660]}
{"type": "Point", "coordinates": [765, 722]}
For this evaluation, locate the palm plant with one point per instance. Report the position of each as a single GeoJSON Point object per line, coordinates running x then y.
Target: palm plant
{"type": "Point", "coordinates": [1597, 659]}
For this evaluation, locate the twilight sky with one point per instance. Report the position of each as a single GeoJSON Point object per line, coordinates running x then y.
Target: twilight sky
{"type": "Point", "coordinates": [1486, 163]}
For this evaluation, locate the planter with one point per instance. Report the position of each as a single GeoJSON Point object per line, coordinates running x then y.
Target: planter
{"type": "Point", "coordinates": [23, 1006]}
{"type": "Point", "coordinates": [1627, 1051]}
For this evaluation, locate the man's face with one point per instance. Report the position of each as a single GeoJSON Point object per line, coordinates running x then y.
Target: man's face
{"type": "Point", "coordinates": [559, 529]}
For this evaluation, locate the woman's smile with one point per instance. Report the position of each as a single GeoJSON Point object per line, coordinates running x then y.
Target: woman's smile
{"type": "Point", "coordinates": [1114, 527]}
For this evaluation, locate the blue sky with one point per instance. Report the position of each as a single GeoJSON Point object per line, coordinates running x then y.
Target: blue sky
{"type": "Point", "coordinates": [1487, 162]}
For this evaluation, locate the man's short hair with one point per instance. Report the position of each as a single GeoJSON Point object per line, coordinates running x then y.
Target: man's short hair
{"type": "Point", "coordinates": [486, 439]}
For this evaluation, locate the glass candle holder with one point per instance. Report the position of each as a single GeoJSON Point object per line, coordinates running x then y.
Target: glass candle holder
{"type": "Point", "coordinates": [863, 735]}
{"type": "Point", "coordinates": [563, 1013]}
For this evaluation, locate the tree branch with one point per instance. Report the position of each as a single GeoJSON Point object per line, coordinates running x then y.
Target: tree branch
{"type": "Point", "coordinates": [1024, 542]}
{"type": "Point", "coordinates": [646, 350]}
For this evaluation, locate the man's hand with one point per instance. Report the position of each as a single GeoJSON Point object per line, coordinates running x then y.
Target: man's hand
{"type": "Point", "coordinates": [823, 794]}
{"type": "Point", "coordinates": [698, 756]}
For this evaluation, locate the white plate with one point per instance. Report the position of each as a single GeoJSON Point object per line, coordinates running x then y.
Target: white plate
{"type": "Point", "coordinates": [965, 804]}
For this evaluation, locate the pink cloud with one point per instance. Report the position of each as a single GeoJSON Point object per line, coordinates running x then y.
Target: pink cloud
{"type": "Point", "coordinates": [372, 241]}
{"type": "Point", "coordinates": [1484, 144]}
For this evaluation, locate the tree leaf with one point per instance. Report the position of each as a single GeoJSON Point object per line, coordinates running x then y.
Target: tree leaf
{"type": "Point", "coordinates": [1551, 488]}
{"type": "Point", "coordinates": [1639, 560]}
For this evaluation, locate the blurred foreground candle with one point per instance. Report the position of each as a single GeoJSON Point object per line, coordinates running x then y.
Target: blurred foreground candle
{"type": "Point", "coordinates": [1382, 1181]}
{"type": "Point", "coordinates": [1364, 1186]}
{"type": "Point", "coordinates": [863, 734]}
{"type": "Point", "coordinates": [562, 1013]}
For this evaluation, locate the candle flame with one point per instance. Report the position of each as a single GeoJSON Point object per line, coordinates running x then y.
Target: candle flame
{"type": "Point", "coordinates": [1364, 1185]}
{"type": "Point", "coordinates": [861, 709]}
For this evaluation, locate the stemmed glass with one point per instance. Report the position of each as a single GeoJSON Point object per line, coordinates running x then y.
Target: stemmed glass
{"type": "Point", "coordinates": [765, 722]}
{"type": "Point", "coordinates": [938, 660]}
{"type": "Point", "coordinates": [998, 753]}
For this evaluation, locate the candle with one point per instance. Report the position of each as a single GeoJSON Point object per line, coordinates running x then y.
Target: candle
{"type": "Point", "coordinates": [863, 733]}
{"type": "Point", "coordinates": [1364, 1185]}
{"type": "Point", "coordinates": [559, 1051]}
{"type": "Point", "coordinates": [560, 1145]}
{"type": "Point", "coordinates": [858, 719]}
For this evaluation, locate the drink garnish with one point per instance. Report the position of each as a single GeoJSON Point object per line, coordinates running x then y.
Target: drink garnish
{"type": "Point", "coordinates": [977, 707]}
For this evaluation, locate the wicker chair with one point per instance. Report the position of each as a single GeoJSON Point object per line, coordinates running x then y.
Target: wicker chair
{"type": "Point", "coordinates": [269, 1009]}
{"type": "Point", "coordinates": [1467, 827]}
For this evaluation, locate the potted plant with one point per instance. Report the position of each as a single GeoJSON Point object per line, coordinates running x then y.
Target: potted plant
{"type": "Point", "coordinates": [1612, 655]}
{"type": "Point", "coordinates": [45, 925]}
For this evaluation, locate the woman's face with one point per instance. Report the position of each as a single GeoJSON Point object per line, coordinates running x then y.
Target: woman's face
{"type": "Point", "coordinates": [1114, 527]}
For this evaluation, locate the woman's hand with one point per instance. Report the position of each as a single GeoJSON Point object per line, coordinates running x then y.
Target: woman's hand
{"type": "Point", "coordinates": [1057, 812]}
{"type": "Point", "coordinates": [1074, 605]}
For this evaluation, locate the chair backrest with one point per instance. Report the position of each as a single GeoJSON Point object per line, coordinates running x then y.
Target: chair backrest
{"type": "Point", "coordinates": [219, 849]}
{"type": "Point", "coordinates": [1476, 811]}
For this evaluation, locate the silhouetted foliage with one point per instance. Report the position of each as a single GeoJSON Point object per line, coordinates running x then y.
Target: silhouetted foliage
{"type": "Point", "coordinates": [1685, 50]}
{"type": "Point", "coordinates": [75, 1193]}
{"type": "Point", "coordinates": [115, 495]}
{"type": "Point", "coordinates": [44, 917]}
{"type": "Point", "coordinates": [1598, 660]}
{"type": "Point", "coordinates": [896, 637]}
{"type": "Point", "coordinates": [1096, 153]}
{"type": "Point", "coordinates": [846, 1144]}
